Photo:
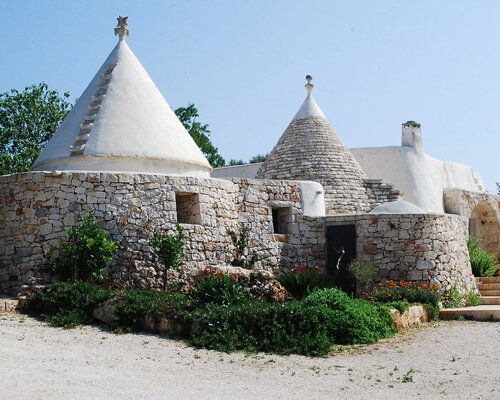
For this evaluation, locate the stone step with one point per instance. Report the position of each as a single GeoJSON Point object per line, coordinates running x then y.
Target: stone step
{"type": "Point", "coordinates": [488, 279]}
{"type": "Point", "coordinates": [488, 286]}
{"type": "Point", "coordinates": [8, 304]}
{"type": "Point", "coordinates": [489, 300]}
{"type": "Point", "coordinates": [486, 292]}
{"type": "Point", "coordinates": [479, 313]}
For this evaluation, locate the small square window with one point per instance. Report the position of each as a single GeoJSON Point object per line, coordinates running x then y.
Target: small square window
{"type": "Point", "coordinates": [188, 208]}
{"type": "Point", "coordinates": [282, 220]}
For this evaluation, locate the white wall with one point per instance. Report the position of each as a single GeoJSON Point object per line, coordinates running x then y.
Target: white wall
{"type": "Point", "coordinates": [421, 177]}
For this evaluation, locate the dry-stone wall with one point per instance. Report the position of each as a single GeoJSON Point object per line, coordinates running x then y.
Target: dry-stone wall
{"type": "Point", "coordinates": [426, 248]}
{"type": "Point", "coordinates": [379, 193]}
{"type": "Point", "coordinates": [483, 212]}
{"type": "Point", "coordinates": [37, 208]}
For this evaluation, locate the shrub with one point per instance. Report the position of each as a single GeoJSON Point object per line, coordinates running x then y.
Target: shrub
{"type": "Point", "coordinates": [240, 242]}
{"type": "Point", "coordinates": [169, 249]}
{"type": "Point", "coordinates": [67, 303]}
{"type": "Point", "coordinates": [219, 288]}
{"type": "Point", "coordinates": [300, 282]}
{"type": "Point", "coordinates": [362, 271]}
{"type": "Point", "coordinates": [452, 298]}
{"type": "Point", "coordinates": [483, 263]}
{"type": "Point", "coordinates": [307, 327]}
{"type": "Point", "coordinates": [473, 299]}
{"type": "Point", "coordinates": [410, 291]}
{"type": "Point", "coordinates": [134, 304]}
{"type": "Point", "coordinates": [85, 255]}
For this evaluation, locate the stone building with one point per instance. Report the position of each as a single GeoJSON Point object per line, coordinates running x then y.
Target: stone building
{"type": "Point", "coordinates": [122, 155]}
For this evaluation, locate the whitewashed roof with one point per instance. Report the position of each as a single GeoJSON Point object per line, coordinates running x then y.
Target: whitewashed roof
{"type": "Point", "coordinates": [309, 108]}
{"type": "Point", "coordinates": [122, 123]}
{"type": "Point", "coordinates": [397, 207]}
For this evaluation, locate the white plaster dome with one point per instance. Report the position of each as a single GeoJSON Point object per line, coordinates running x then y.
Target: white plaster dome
{"type": "Point", "coordinates": [122, 123]}
{"type": "Point", "coordinates": [397, 207]}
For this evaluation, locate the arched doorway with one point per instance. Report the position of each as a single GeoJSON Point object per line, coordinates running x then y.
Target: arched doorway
{"type": "Point", "coordinates": [484, 223]}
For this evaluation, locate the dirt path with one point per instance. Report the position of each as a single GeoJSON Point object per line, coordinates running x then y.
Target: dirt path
{"type": "Point", "coordinates": [455, 360]}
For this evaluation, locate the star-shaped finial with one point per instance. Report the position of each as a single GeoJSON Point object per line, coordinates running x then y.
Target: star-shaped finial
{"type": "Point", "coordinates": [122, 21]}
{"type": "Point", "coordinates": [122, 30]}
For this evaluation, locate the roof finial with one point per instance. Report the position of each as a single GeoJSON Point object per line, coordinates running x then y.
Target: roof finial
{"type": "Point", "coordinates": [309, 86]}
{"type": "Point", "coordinates": [122, 30]}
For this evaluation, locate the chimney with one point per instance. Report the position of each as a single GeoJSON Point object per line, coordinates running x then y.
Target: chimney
{"type": "Point", "coordinates": [411, 136]}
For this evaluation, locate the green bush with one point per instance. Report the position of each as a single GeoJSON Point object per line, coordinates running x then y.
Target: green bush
{"type": "Point", "coordinates": [219, 288]}
{"type": "Point", "coordinates": [307, 327]}
{"type": "Point", "coordinates": [169, 249]}
{"type": "Point", "coordinates": [483, 263]}
{"type": "Point", "coordinates": [85, 255]}
{"type": "Point", "coordinates": [362, 271]}
{"type": "Point", "coordinates": [300, 282]}
{"type": "Point", "coordinates": [134, 304]}
{"type": "Point", "coordinates": [473, 299]}
{"type": "Point", "coordinates": [67, 303]}
{"type": "Point", "coordinates": [452, 298]}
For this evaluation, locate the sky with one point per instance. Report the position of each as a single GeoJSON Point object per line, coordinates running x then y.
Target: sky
{"type": "Point", "coordinates": [375, 65]}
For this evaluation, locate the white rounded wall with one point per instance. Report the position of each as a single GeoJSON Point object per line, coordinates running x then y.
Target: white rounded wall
{"type": "Point", "coordinates": [421, 177]}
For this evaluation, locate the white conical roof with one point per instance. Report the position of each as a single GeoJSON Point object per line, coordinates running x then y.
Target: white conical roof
{"type": "Point", "coordinates": [309, 108]}
{"type": "Point", "coordinates": [122, 123]}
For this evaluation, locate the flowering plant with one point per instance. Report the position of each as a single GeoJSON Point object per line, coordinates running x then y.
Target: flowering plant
{"type": "Point", "coordinates": [218, 287]}
{"type": "Point", "coordinates": [300, 281]}
{"type": "Point", "coordinates": [412, 292]}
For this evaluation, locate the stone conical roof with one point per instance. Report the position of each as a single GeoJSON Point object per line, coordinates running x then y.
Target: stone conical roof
{"type": "Point", "coordinates": [122, 123]}
{"type": "Point", "coordinates": [310, 149]}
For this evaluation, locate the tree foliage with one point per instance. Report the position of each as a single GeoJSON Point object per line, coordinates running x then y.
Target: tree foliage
{"type": "Point", "coordinates": [85, 255]}
{"type": "Point", "coordinates": [236, 162]}
{"type": "Point", "coordinates": [169, 250]}
{"type": "Point", "coordinates": [28, 119]}
{"type": "Point", "coordinates": [258, 158]}
{"type": "Point", "coordinates": [200, 134]}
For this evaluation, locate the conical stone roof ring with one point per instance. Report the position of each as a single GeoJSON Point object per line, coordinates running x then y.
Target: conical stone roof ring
{"type": "Point", "coordinates": [122, 123]}
{"type": "Point", "coordinates": [310, 149]}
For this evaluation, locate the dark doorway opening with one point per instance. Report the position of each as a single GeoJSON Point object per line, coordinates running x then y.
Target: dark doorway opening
{"type": "Point", "coordinates": [341, 250]}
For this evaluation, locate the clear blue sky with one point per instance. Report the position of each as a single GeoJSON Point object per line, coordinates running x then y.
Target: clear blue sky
{"type": "Point", "coordinates": [375, 65]}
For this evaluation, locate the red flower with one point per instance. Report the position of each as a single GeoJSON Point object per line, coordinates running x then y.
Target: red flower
{"type": "Point", "coordinates": [317, 267]}
{"type": "Point", "coordinates": [205, 272]}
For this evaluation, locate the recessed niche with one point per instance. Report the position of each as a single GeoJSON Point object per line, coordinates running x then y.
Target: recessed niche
{"type": "Point", "coordinates": [188, 208]}
{"type": "Point", "coordinates": [282, 220]}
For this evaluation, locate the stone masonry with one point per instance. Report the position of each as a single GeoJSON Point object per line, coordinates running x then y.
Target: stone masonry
{"type": "Point", "coordinates": [37, 208]}
{"type": "Point", "coordinates": [310, 149]}
{"type": "Point", "coordinates": [424, 248]}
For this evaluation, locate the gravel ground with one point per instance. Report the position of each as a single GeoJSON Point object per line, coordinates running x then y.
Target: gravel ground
{"type": "Point", "coordinates": [455, 360]}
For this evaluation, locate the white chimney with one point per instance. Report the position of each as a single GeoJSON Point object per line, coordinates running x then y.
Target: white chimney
{"type": "Point", "coordinates": [411, 136]}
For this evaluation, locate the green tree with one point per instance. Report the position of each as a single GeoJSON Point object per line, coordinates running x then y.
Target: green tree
{"type": "Point", "coordinates": [85, 255]}
{"type": "Point", "coordinates": [236, 162]}
{"type": "Point", "coordinates": [258, 158]}
{"type": "Point", "coordinates": [169, 250]}
{"type": "Point", "coordinates": [200, 133]}
{"type": "Point", "coordinates": [28, 119]}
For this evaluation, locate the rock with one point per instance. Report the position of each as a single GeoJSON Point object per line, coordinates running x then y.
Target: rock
{"type": "Point", "coordinates": [105, 312]}
{"type": "Point", "coordinates": [414, 315]}
{"type": "Point", "coordinates": [162, 324]}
